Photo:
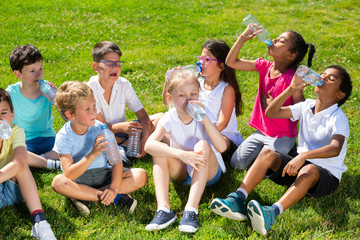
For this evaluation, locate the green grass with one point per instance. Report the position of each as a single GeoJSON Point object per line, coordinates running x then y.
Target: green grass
{"type": "Point", "coordinates": [157, 35]}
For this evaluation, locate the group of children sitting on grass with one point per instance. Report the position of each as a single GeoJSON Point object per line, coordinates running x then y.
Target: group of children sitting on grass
{"type": "Point", "coordinates": [185, 150]}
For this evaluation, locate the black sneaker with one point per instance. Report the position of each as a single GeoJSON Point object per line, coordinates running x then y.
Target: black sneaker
{"type": "Point", "coordinates": [82, 206]}
{"type": "Point", "coordinates": [161, 220]}
{"type": "Point", "coordinates": [189, 222]}
{"type": "Point", "coordinates": [127, 202]}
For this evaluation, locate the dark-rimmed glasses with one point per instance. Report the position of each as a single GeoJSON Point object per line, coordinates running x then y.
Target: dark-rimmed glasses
{"type": "Point", "coordinates": [206, 60]}
{"type": "Point", "coordinates": [111, 63]}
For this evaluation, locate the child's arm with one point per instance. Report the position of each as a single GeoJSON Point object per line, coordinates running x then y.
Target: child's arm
{"type": "Point", "coordinates": [73, 171]}
{"type": "Point", "coordinates": [227, 106]}
{"type": "Point", "coordinates": [328, 151]}
{"type": "Point", "coordinates": [275, 109]}
{"type": "Point", "coordinates": [17, 164]}
{"type": "Point", "coordinates": [232, 59]}
{"type": "Point", "coordinates": [156, 148]}
{"type": "Point", "coordinates": [146, 130]}
{"type": "Point", "coordinates": [165, 100]}
{"type": "Point", "coordinates": [109, 194]}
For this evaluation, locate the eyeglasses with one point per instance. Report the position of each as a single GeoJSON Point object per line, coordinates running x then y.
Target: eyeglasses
{"type": "Point", "coordinates": [111, 63]}
{"type": "Point", "coordinates": [206, 60]}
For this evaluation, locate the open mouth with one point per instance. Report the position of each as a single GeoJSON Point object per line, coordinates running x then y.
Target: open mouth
{"type": "Point", "coordinates": [113, 74]}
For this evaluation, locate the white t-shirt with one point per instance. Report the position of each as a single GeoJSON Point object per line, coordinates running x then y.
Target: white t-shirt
{"type": "Point", "coordinates": [122, 95]}
{"type": "Point", "coordinates": [212, 100]}
{"type": "Point", "coordinates": [186, 136]}
{"type": "Point", "coordinates": [78, 146]}
{"type": "Point", "coordinates": [316, 131]}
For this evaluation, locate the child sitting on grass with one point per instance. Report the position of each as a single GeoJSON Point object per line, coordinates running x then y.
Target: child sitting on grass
{"type": "Point", "coordinates": [113, 93]}
{"type": "Point", "coordinates": [16, 181]}
{"type": "Point", "coordinates": [317, 169]}
{"type": "Point", "coordinates": [33, 110]}
{"type": "Point", "coordinates": [87, 174]}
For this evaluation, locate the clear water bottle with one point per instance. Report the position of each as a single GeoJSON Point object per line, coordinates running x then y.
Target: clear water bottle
{"type": "Point", "coordinates": [196, 69]}
{"type": "Point", "coordinates": [134, 142]}
{"type": "Point", "coordinates": [5, 130]}
{"type": "Point", "coordinates": [112, 152]}
{"type": "Point", "coordinates": [48, 91]}
{"type": "Point", "coordinates": [264, 36]}
{"type": "Point", "coordinates": [309, 75]}
{"type": "Point", "coordinates": [196, 111]}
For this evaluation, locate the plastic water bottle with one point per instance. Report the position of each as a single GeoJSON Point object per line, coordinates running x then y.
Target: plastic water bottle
{"type": "Point", "coordinates": [48, 91]}
{"type": "Point", "coordinates": [134, 142]}
{"type": "Point", "coordinates": [195, 111]}
{"type": "Point", "coordinates": [309, 75]}
{"type": "Point", "coordinates": [196, 69]}
{"type": "Point", "coordinates": [112, 152]}
{"type": "Point", "coordinates": [5, 130]}
{"type": "Point", "coordinates": [264, 36]}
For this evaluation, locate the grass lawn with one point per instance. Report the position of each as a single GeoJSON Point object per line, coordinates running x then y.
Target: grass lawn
{"type": "Point", "coordinates": [155, 36]}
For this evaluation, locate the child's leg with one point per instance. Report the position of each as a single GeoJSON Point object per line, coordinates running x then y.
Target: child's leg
{"type": "Point", "coordinates": [133, 179]}
{"type": "Point", "coordinates": [52, 155]}
{"type": "Point", "coordinates": [163, 169]}
{"type": "Point", "coordinates": [204, 174]}
{"type": "Point", "coordinates": [37, 161]}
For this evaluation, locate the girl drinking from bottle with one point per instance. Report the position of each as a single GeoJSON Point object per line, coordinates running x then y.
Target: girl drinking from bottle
{"type": "Point", "coordinates": [193, 155]}
{"type": "Point", "coordinates": [287, 50]}
{"type": "Point", "coordinates": [219, 91]}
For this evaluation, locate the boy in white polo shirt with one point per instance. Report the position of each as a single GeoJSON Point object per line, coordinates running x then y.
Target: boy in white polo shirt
{"type": "Point", "coordinates": [317, 169]}
{"type": "Point", "coordinates": [113, 93]}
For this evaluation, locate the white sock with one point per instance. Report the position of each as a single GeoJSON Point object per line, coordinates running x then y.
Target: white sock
{"type": "Point", "coordinates": [164, 209]}
{"type": "Point", "coordinates": [53, 164]}
{"type": "Point", "coordinates": [192, 210]}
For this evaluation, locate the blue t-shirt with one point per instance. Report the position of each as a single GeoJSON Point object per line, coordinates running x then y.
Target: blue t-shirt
{"type": "Point", "coordinates": [33, 115]}
{"type": "Point", "coordinates": [67, 142]}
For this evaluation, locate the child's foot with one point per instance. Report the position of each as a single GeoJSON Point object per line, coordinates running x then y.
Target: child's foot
{"type": "Point", "coordinates": [82, 206]}
{"type": "Point", "coordinates": [189, 222]}
{"type": "Point", "coordinates": [127, 202]}
{"type": "Point", "coordinates": [262, 218]}
{"type": "Point", "coordinates": [161, 220]}
{"type": "Point", "coordinates": [230, 207]}
{"type": "Point", "coordinates": [42, 230]}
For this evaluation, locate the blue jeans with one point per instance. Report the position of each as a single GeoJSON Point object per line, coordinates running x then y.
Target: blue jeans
{"type": "Point", "coordinates": [248, 150]}
{"type": "Point", "coordinates": [9, 194]}
{"type": "Point", "coordinates": [40, 145]}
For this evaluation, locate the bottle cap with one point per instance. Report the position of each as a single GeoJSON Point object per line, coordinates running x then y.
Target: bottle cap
{"type": "Point", "coordinates": [104, 126]}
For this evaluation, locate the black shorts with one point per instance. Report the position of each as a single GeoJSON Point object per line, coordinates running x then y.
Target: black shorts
{"type": "Point", "coordinates": [327, 182]}
{"type": "Point", "coordinates": [96, 177]}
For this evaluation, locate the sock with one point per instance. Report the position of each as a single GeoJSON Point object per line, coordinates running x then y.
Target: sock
{"type": "Point", "coordinates": [53, 164]}
{"type": "Point", "coordinates": [278, 208]}
{"type": "Point", "coordinates": [118, 196]}
{"type": "Point", "coordinates": [163, 209]}
{"type": "Point", "coordinates": [242, 194]}
{"type": "Point", "coordinates": [37, 216]}
{"type": "Point", "coordinates": [192, 210]}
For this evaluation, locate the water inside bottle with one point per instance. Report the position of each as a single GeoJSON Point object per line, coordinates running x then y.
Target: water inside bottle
{"type": "Point", "coordinates": [5, 130]}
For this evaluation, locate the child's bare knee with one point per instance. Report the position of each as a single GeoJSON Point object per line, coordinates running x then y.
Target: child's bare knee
{"type": "Point", "coordinates": [202, 146]}
{"type": "Point", "coordinates": [59, 182]}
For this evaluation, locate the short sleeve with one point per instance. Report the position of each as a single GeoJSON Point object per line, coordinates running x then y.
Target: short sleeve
{"type": "Point", "coordinates": [18, 138]}
{"type": "Point", "coordinates": [164, 122]}
{"type": "Point", "coordinates": [62, 144]}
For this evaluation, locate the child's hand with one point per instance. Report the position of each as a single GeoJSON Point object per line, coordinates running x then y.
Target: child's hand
{"type": "Point", "coordinates": [99, 145]}
{"type": "Point", "coordinates": [52, 85]}
{"type": "Point", "coordinates": [249, 34]}
{"type": "Point", "coordinates": [132, 126]}
{"type": "Point", "coordinates": [198, 103]}
{"type": "Point", "coordinates": [265, 101]}
{"type": "Point", "coordinates": [193, 158]}
{"type": "Point", "coordinates": [297, 83]}
{"type": "Point", "coordinates": [293, 166]}
{"type": "Point", "coordinates": [108, 196]}
{"type": "Point", "coordinates": [169, 72]}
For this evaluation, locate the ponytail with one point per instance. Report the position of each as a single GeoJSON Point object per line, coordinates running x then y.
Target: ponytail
{"type": "Point", "coordinates": [310, 54]}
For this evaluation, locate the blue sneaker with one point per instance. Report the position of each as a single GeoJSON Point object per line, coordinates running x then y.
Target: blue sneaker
{"type": "Point", "coordinates": [262, 218]}
{"type": "Point", "coordinates": [189, 222]}
{"type": "Point", "coordinates": [161, 220]}
{"type": "Point", "coordinates": [230, 207]}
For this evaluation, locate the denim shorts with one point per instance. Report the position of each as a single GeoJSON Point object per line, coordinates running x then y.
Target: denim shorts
{"type": "Point", "coordinates": [215, 179]}
{"type": "Point", "coordinates": [40, 145]}
{"type": "Point", "coordinates": [9, 194]}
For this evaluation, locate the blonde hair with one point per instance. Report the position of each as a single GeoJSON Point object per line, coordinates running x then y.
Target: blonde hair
{"type": "Point", "coordinates": [69, 95]}
{"type": "Point", "coordinates": [179, 76]}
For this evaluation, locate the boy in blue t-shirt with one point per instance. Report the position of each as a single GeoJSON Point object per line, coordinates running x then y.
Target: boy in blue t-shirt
{"type": "Point", "coordinates": [16, 181]}
{"type": "Point", "coordinates": [33, 110]}
{"type": "Point", "coordinates": [87, 176]}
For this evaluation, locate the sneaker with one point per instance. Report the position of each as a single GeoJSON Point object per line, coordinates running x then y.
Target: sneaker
{"type": "Point", "coordinates": [126, 201]}
{"type": "Point", "coordinates": [262, 218]}
{"type": "Point", "coordinates": [230, 207]}
{"type": "Point", "coordinates": [161, 220]}
{"type": "Point", "coordinates": [189, 222]}
{"type": "Point", "coordinates": [42, 230]}
{"type": "Point", "coordinates": [82, 206]}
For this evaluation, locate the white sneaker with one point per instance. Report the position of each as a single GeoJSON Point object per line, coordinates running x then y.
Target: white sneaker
{"type": "Point", "coordinates": [42, 230]}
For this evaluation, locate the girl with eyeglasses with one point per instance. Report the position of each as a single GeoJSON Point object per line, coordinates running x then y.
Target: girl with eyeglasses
{"type": "Point", "coordinates": [219, 91]}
